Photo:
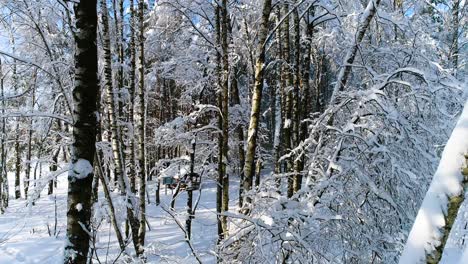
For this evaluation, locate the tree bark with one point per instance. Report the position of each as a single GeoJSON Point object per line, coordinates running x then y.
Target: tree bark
{"type": "Point", "coordinates": [27, 172]}
{"type": "Point", "coordinates": [53, 168]}
{"type": "Point", "coordinates": [17, 161]}
{"type": "Point", "coordinates": [240, 134]}
{"type": "Point", "coordinates": [455, 34]}
{"type": "Point", "coordinates": [225, 113]}
{"type": "Point", "coordinates": [132, 77]}
{"type": "Point", "coordinates": [158, 181]}
{"type": "Point", "coordinates": [190, 216]}
{"type": "Point", "coordinates": [105, 188]}
{"type": "Point", "coordinates": [345, 70]}
{"type": "Point", "coordinates": [3, 172]}
{"type": "Point", "coordinates": [112, 109]}
{"type": "Point", "coordinates": [278, 109]}
{"type": "Point", "coordinates": [249, 167]}
{"type": "Point", "coordinates": [239, 129]}
{"type": "Point", "coordinates": [296, 111]}
{"type": "Point", "coordinates": [140, 119]}
{"type": "Point", "coordinates": [112, 106]}
{"type": "Point", "coordinates": [219, 186]}
{"type": "Point", "coordinates": [288, 98]}
{"type": "Point", "coordinates": [80, 177]}
{"type": "Point", "coordinates": [17, 129]}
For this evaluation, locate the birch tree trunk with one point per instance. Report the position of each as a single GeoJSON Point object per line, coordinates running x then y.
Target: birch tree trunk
{"type": "Point", "coordinates": [115, 133]}
{"type": "Point", "coordinates": [140, 119]}
{"type": "Point", "coordinates": [249, 167]}
{"type": "Point", "coordinates": [53, 166]}
{"type": "Point", "coordinates": [80, 176]}
{"type": "Point", "coordinates": [112, 106]}
{"type": "Point", "coordinates": [118, 19]}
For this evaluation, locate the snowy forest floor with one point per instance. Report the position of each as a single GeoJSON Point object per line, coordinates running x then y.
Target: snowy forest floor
{"type": "Point", "coordinates": [24, 230]}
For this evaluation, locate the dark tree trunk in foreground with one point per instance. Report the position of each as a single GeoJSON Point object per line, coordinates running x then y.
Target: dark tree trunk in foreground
{"type": "Point", "coordinates": [80, 176]}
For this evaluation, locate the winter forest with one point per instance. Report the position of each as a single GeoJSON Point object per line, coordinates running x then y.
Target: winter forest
{"type": "Point", "coordinates": [233, 131]}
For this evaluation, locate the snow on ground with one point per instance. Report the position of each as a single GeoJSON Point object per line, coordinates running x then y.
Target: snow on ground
{"type": "Point", "coordinates": [24, 230]}
{"type": "Point", "coordinates": [446, 182]}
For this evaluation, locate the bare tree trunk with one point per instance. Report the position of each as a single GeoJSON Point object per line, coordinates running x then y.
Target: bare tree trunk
{"type": "Point", "coordinates": [111, 100]}
{"type": "Point", "coordinates": [52, 168]}
{"type": "Point", "coordinates": [240, 134]}
{"type": "Point", "coordinates": [80, 176]}
{"type": "Point", "coordinates": [27, 172]}
{"type": "Point", "coordinates": [17, 131]}
{"type": "Point", "coordinates": [131, 121]}
{"type": "Point", "coordinates": [140, 119]}
{"type": "Point", "coordinates": [105, 187]}
{"type": "Point", "coordinates": [3, 172]}
{"type": "Point", "coordinates": [278, 106]}
{"type": "Point", "coordinates": [225, 112]}
{"type": "Point", "coordinates": [100, 154]}
{"type": "Point", "coordinates": [364, 23]}
{"type": "Point", "coordinates": [118, 19]}
{"type": "Point", "coordinates": [288, 98]}
{"type": "Point", "coordinates": [17, 162]}
{"type": "Point", "coordinates": [307, 98]}
{"type": "Point", "coordinates": [239, 130]}
{"type": "Point", "coordinates": [158, 183]}
{"type": "Point", "coordinates": [455, 27]}
{"type": "Point", "coordinates": [249, 167]}
{"type": "Point", "coordinates": [296, 111]}
{"type": "Point", "coordinates": [115, 132]}
{"type": "Point", "coordinates": [190, 215]}
{"type": "Point", "coordinates": [258, 171]}
{"type": "Point", "coordinates": [219, 186]}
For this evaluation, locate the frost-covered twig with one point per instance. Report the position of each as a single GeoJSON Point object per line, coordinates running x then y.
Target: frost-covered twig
{"type": "Point", "coordinates": [181, 227]}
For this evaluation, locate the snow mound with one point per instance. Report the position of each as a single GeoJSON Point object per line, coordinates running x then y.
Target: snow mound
{"type": "Point", "coordinates": [81, 169]}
